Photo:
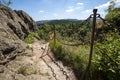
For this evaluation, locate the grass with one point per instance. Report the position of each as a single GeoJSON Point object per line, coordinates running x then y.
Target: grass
{"type": "Point", "coordinates": [22, 70]}
{"type": "Point", "coordinates": [77, 58]}
{"type": "Point", "coordinates": [74, 56]}
{"type": "Point", "coordinates": [30, 38]}
{"type": "Point", "coordinates": [25, 70]}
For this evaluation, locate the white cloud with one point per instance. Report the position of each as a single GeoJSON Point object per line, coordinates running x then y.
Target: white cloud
{"type": "Point", "coordinates": [88, 11]}
{"type": "Point", "coordinates": [103, 6]}
{"type": "Point", "coordinates": [55, 14]}
{"type": "Point", "coordinates": [79, 3]}
{"type": "Point", "coordinates": [69, 10]}
{"type": "Point", "coordinates": [117, 2]}
{"type": "Point", "coordinates": [74, 8]}
{"type": "Point", "coordinates": [41, 11]}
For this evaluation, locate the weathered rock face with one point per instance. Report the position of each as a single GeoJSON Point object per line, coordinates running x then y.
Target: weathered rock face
{"type": "Point", "coordinates": [14, 27]}
{"type": "Point", "coordinates": [27, 20]}
{"type": "Point", "coordinates": [18, 21]}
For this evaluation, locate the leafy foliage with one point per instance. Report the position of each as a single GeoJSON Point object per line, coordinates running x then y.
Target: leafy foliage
{"type": "Point", "coordinates": [70, 31]}
{"type": "Point", "coordinates": [44, 31]}
{"type": "Point", "coordinates": [114, 17]}
{"type": "Point", "coordinates": [111, 5]}
{"type": "Point", "coordinates": [107, 56]}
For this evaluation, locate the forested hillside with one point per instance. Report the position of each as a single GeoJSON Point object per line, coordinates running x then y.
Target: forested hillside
{"type": "Point", "coordinates": [70, 30]}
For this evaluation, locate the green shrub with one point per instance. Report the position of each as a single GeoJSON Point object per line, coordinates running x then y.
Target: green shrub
{"type": "Point", "coordinates": [36, 35]}
{"type": "Point", "coordinates": [56, 48]}
{"type": "Point", "coordinates": [74, 57]}
{"type": "Point", "coordinates": [107, 56]}
{"type": "Point", "coordinates": [30, 38]}
{"type": "Point", "coordinates": [43, 35]}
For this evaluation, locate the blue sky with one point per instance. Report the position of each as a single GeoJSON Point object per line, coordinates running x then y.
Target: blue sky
{"type": "Point", "coordinates": [61, 9]}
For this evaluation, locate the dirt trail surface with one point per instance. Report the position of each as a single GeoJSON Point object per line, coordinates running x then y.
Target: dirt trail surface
{"type": "Point", "coordinates": [33, 67]}
{"type": "Point", "coordinates": [42, 51]}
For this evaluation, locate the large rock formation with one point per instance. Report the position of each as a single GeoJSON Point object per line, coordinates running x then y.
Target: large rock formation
{"type": "Point", "coordinates": [18, 21]}
{"type": "Point", "coordinates": [14, 27]}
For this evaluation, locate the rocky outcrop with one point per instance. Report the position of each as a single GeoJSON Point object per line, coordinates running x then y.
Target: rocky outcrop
{"type": "Point", "coordinates": [18, 21]}
{"type": "Point", "coordinates": [14, 27]}
{"type": "Point", "coordinates": [27, 20]}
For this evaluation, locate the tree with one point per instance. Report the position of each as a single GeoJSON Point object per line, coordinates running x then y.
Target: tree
{"type": "Point", "coordinates": [114, 17]}
{"type": "Point", "coordinates": [107, 56]}
{"type": "Point", "coordinates": [5, 2]}
{"type": "Point", "coordinates": [111, 6]}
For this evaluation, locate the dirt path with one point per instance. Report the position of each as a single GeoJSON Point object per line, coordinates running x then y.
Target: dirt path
{"type": "Point", "coordinates": [40, 49]}
{"type": "Point", "coordinates": [31, 67]}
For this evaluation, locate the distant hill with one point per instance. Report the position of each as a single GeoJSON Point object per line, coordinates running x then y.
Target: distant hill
{"type": "Point", "coordinates": [58, 21]}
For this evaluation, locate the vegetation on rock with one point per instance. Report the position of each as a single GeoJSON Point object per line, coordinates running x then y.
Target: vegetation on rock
{"type": "Point", "coordinates": [31, 38]}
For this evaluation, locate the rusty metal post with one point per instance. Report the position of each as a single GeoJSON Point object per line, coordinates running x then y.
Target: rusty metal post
{"type": "Point", "coordinates": [91, 45]}
{"type": "Point", "coordinates": [92, 36]}
{"type": "Point", "coordinates": [54, 35]}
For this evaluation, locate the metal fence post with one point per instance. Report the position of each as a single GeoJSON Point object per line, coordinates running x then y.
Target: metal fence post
{"type": "Point", "coordinates": [91, 45]}
{"type": "Point", "coordinates": [54, 35]}
{"type": "Point", "coordinates": [92, 37]}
